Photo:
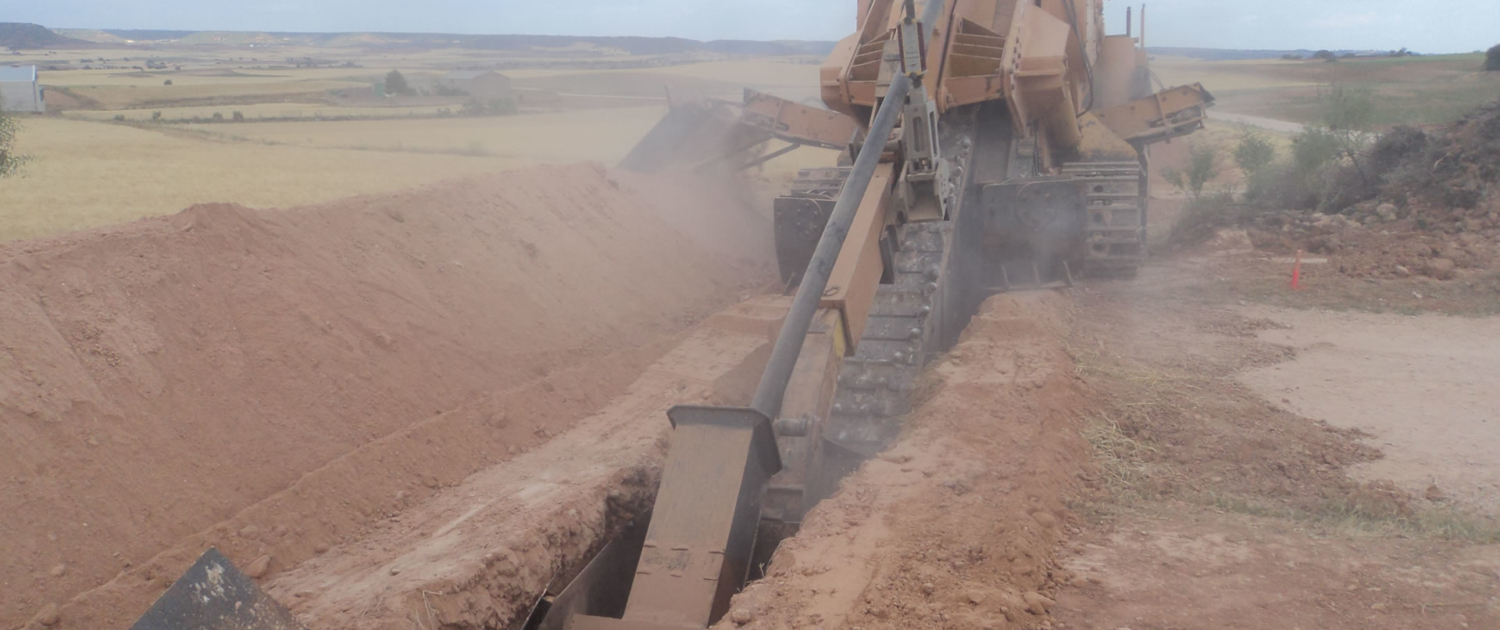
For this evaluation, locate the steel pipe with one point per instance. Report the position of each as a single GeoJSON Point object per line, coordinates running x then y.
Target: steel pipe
{"type": "Point", "coordinates": [778, 372]}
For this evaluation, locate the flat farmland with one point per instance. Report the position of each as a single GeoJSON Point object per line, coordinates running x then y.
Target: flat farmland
{"type": "Point", "coordinates": [88, 174]}
{"type": "Point", "coordinates": [256, 111]}
{"type": "Point", "coordinates": [551, 137]}
{"type": "Point", "coordinates": [1404, 90]}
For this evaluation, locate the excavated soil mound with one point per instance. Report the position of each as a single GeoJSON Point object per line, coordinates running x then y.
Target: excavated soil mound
{"type": "Point", "coordinates": [314, 370]}
{"type": "Point", "coordinates": [957, 525]}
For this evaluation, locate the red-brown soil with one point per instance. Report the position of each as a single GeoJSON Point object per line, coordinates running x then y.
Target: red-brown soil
{"type": "Point", "coordinates": [956, 525]}
{"type": "Point", "coordinates": [1229, 508]}
{"type": "Point", "coordinates": [274, 382]}
{"type": "Point", "coordinates": [478, 555]}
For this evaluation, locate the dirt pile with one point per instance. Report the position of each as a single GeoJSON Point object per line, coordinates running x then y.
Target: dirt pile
{"type": "Point", "coordinates": [1436, 212]}
{"type": "Point", "coordinates": [1381, 248]}
{"type": "Point", "coordinates": [956, 525]}
{"type": "Point", "coordinates": [312, 371]}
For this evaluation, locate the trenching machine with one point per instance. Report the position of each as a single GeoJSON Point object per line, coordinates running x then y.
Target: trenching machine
{"type": "Point", "coordinates": [988, 145]}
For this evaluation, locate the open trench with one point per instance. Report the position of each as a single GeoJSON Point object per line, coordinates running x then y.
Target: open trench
{"type": "Point", "coordinates": [280, 384]}
{"type": "Point", "coordinates": [247, 380]}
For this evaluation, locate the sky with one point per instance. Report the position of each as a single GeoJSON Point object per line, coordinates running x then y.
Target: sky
{"type": "Point", "coordinates": [1455, 26]}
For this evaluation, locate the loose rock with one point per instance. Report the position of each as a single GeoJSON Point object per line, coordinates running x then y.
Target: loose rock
{"type": "Point", "coordinates": [1037, 603]}
{"type": "Point", "coordinates": [48, 615]}
{"type": "Point", "coordinates": [742, 616]}
{"type": "Point", "coordinates": [258, 567]}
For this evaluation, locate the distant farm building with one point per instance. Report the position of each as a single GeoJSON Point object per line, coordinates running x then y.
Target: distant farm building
{"type": "Point", "coordinates": [481, 84]}
{"type": "Point", "coordinates": [19, 91]}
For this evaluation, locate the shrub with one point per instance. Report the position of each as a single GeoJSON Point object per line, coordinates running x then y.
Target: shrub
{"type": "Point", "coordinates": [1314, 148]}
{"type": "Point", "coordinates": [119, 117]}
{"type": "Point", "coordinates": [238, 116]}
{"type": "Point", "coordinates": [1253, 153]}
{"type": "Point", "coordinates": [156, 116]}
{"type": "Point", "coordinates": [10, 161]}
{"type": "Point", "coordinates": [1279, 185]}
{"type": "Point", "coordinates": [1492, 59]}
{"type": "Point", "coordinates": [218, 117]}
{"type": "Point", "coordinates": [167, 82]}
{"type": "Point", "coordinates": [395, 83]}
{"type": "Point", "coordinates": [1203, 165]}
{"type": "Point", "coordinates": [1204, 216]}
{"type": "Point", "coordinates": [1343, 185]}
{"type": "Point", "coordinates": [1402, 143]}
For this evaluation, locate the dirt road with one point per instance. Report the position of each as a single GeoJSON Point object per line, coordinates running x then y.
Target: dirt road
{"type": "Point", "coordinates": [1426, 389]}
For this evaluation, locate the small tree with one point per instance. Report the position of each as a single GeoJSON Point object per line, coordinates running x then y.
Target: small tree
{"type": "Point", "coordinates": [395, 83]}
{"type": "Point", "coordinates": [1492, 59]}
{"type": "Point", "coordinates": [1203, 165]}
{"type": "Point", "coordinates": [1326, 55]}
{"type": "Point", "coordinates": [1349, 115]}
{"type": "Point", "coordinates": [10, 161]}
{"type": "Point", "coordinates": [1254, 153]}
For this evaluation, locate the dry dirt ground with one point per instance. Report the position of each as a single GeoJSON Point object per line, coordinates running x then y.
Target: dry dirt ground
{"type": "Point", "coordinates": [1128, 455]}
{"type": "Point", "coordinates": [1169, 452]}
{"type": "Point", "coordinates": [1274, 467]}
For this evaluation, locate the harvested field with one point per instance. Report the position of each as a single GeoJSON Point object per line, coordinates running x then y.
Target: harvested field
{"type": "Point", "coordinates": [276, 382]}
{"type": "Point", "coordinates": [553, 137]}
{"type": "Point", "coordinates": [88, 174]}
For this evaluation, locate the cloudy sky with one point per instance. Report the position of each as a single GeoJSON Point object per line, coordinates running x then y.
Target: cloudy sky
{"type": "Point", "coordinates": [1449, 26]}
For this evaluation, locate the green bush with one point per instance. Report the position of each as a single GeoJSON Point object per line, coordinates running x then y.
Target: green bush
{"type": "Point", "coordinates": [1203, 217]}
{"type": "Point", "coordinates": [1253, 153]}
{"type": "Point", "coordinates": [1281, 185]}
{"type": "Point", "coordinates": [395, 83]}
{"type": "Point", "coordinates": [10, 161]}
{"type": "Point", "coordinates": [1203, 166]}
{"type": "Point", "coordinates": [1492, 59]}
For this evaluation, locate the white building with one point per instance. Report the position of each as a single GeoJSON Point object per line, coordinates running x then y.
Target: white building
{"type": "Point", "coordinates": [19, 91]}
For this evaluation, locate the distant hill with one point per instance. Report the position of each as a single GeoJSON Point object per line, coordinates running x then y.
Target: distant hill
{"type": "Point", "coordinates": [1216, 54]}
{"type": "Point", "coordinates": [22, 36]}
{"type": "Point", "coordinates": [552, 43]}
